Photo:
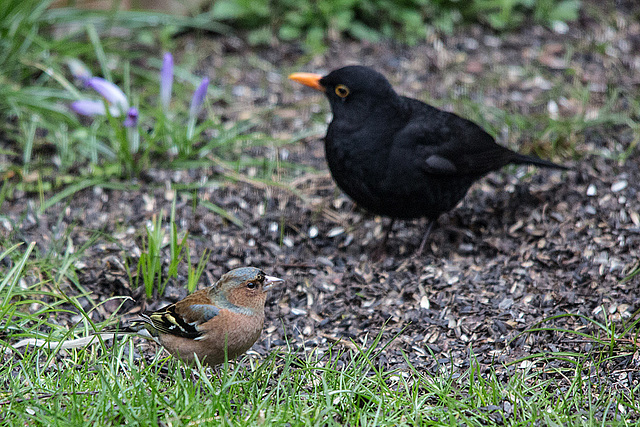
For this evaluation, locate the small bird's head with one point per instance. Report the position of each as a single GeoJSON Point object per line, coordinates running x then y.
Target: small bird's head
{"type": "Point", "coordinates": [245, 287]}
{"type": "Point", "coordinates": [352, 91]}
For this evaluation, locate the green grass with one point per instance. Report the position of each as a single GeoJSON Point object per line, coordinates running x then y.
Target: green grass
{"type": "Point", "coordinates": [112, 387]}
{"type": "Point", "coordinates": [344, 384]}
{"type": "Point", "coordinates": [149, 270]}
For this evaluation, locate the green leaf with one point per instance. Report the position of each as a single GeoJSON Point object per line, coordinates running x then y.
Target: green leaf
{"type": "Point", "coordinates": [565, 11]}
{"type": "Point", "coordinates": [228, 9]}
{"type": "Point", "coordinates": [363, 32]}
{"type": "Point", "coordinates": [260, 36]}
{"type": "Point", "coordinates": [289, 32]}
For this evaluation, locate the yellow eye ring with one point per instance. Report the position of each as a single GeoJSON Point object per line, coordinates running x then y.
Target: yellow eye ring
{"type": "Point", "coordinates": [342, 91]}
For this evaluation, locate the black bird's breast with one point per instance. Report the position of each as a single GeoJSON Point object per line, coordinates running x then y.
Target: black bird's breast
{"type": "Point", "coordinates": [358, 157]}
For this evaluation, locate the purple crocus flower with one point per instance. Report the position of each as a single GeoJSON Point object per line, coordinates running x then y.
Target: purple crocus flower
{"type": "Point", "coordinates": [111, 93]}
{"type": "Point", "coordinates": [132, 118]}
{"type": "Point", "coordinates": [88, 107]}
{"type": "Point", "coordinates": [166, 81]}
{"type": "Point", "coordinates": [116, 99]}
{"type": "Point", "coordinates": [198, 99]}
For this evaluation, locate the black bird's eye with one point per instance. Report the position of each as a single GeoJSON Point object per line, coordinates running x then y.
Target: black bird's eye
{"type": "Point", "coordinates": [252, 285]}
{"type": "Point", "coordinates": [342, 91]}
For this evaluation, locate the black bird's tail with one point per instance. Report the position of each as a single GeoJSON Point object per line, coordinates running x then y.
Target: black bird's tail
{"type": "Point", "coordinates": [523, 159]}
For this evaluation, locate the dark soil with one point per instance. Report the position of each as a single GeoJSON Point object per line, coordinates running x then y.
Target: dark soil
{"type": "Point", "coordinates": [524, 246]}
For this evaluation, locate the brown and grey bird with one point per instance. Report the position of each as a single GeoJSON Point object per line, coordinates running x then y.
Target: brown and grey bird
{"type": "Point", "coordinates": [214, 324]}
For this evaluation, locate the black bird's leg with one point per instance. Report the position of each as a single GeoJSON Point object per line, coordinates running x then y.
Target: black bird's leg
{"type": "Point", "coordinates": [425, 238]}
{"type": "Point", "coordinates": [379, 251]}
{"type": "Point", "coordinates": [387, 232]}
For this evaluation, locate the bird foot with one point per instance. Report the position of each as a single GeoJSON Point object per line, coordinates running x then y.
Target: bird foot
{"type": "Point", "coordinates": [379, 253]}
{"type": "Point", "coordinates": [427, 234]}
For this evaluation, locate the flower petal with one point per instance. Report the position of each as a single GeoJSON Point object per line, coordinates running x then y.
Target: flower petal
{"type": "Point", "coordinates": [79, 69]}
{"type": "Point", "coordinates": [88, 107]}
{"type": "Point", "coordinates": [132, 118]}
{"type": "Point", "coordinates": [166, 80]}
{"type": "Point", "coordinates": [112, 93]}
{"type": "Point", "coordinates": [198, 98]}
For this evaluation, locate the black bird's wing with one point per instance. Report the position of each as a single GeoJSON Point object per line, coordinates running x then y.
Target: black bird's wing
{"type": "Point", "coordinates": [442, 143]}
{"type": "Point", "coordinates": [450, 145]}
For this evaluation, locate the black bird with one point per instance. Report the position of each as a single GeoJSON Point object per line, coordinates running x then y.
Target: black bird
{"type": "Point", "coordinates": [397, 156]}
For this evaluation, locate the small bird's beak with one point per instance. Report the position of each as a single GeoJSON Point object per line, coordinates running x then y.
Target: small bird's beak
{"type": "Point", "coordinates": [308, 79]}
{"type": "Point", "coordinates": [270, 282]}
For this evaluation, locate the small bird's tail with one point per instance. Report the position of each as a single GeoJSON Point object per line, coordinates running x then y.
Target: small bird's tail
{"type": "Point", "coordinates": [523, 159]}
{"type": "Point", "coordinates": [79, 342]}
{"type": "Point", "coordinates": [134, 327]}
{"type": "Point", "coordinates": [137, 327]}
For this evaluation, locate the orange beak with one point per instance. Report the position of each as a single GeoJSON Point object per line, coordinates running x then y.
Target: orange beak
{"type": "Point", "coordinates": [308, 79]}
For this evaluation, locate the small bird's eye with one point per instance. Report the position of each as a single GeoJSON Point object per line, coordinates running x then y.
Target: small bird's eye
{"type": "Point", "coordinates": [342, 91]}
{"type": "Point", "coordinates": [252, 285]}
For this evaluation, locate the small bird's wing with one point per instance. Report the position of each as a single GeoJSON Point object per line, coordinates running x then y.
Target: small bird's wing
{"type": "Point", "coordinates": [184, 317]}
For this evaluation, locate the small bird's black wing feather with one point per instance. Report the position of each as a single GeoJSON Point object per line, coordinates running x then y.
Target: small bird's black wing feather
{"type": "Point", "coordinates": [168, 321]}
